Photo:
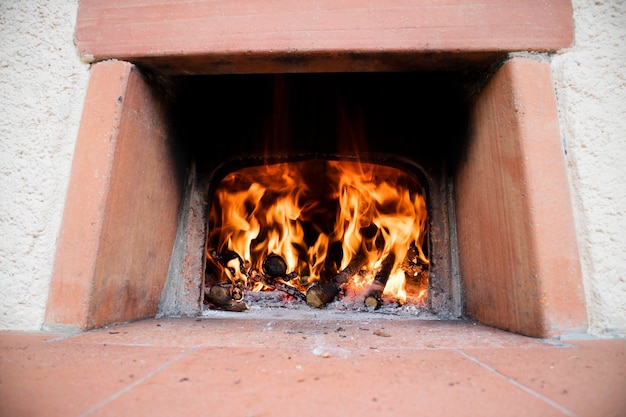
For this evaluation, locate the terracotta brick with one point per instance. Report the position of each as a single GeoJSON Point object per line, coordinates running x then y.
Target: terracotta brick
{"type": "Point", "coordinates": [120, 217]}
{"type": "Point", "coordinates": [286, 36]}
{"type": "Point", "coordinates": [518, 253]}
{"type": "Point", "coordinates": [519, 264]}
{"type": "Point", "coordinates": [276, 364]}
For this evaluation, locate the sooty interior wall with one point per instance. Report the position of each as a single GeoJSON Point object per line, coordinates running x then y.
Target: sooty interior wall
{"type": "Point", "coordinates": [416, 115]}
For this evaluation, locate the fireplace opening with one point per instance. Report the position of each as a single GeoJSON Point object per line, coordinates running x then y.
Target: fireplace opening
{"type": "Point", "coordinates": [328, 190]}
{"type": "Point", "coordinates": [317, 231]}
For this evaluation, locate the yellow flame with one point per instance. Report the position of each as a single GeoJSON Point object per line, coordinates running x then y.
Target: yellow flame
{"type": "Point", "coordinates": [396, 286]}
{"type": "Point", "coordinates": [373, 210]}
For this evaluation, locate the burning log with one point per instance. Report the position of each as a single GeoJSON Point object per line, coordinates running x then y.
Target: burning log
{"type": "Point", "coordinates": [222, 297]}
{"type": "Point", "coordinates": [318, 295]}
{"type": "Point", "coordinates": [373, 298]}
{"type": "Point", "coordinates": [225, 257]}
{"type": "Point", "coordinates": [233, 265]}
{"type": "Point", "coordinates": [236, 293]}
{"type": "Point", "coordinates": [290, 290]}
{"type": "Point", "coordinates": [350, 270]}
{"type": "Point", "coordinates": [217, 294]}
{"type": "Point", "coordinates": [274, 266]}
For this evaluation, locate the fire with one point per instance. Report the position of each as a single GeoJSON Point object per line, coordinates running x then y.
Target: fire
{"type": "Point", "coordinates": [322, 219]}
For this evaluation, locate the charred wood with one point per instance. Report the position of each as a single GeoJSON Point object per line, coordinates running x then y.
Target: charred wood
{"type": "Point", "coordinates": [217, 294]}
{"type": "Point", "coordinates": [288, 289]}
{"type": "Point", "coordinates": [318, 295]}
{"type": "Point", "coordinates": [233, 264]}
{"type": "Point", "coordinates": [290, 276]}
{"type": "Point", "coordinates": [236, 293]}
{"type": "Point", "coordinates": [353, 267]}
{"type": "Point", "coordinates": [274, 266]}
{"type": "Point", "coordinates": [222, 297]}
{"type": "Point", "coordinates": [373, 297]}
{"type": "Point", "coordinates": [226, 256]}
{"type": "Point", "coordinates": [266, 297]}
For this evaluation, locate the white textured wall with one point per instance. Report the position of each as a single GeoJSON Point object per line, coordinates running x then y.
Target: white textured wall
{"type": "Point", "coordinates": [42, 88]}
{"type": "Point", "coordinates": [590, 79]}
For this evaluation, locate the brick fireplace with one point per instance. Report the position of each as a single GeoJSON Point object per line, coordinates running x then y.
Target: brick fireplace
{"type": "Point", "coordinates": [135, 215]}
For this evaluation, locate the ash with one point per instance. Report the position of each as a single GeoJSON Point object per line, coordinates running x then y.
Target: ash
{"type": "Point", "coordinates": [346, 304]}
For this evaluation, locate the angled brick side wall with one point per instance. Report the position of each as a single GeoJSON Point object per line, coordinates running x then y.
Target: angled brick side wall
{"type": "Point", "coordinates": [518, 254]}
{"type": "Point", "coordinates": [120, 217]}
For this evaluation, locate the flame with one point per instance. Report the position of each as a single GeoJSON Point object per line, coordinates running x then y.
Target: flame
{"type": "Point", "coordinates": [396, 286]}
{"type": "Point", "coordinates": [300, 210]}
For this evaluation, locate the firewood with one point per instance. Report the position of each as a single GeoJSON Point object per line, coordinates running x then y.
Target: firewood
{"type": "Point", "coordinates": [322, 293]}
{"type": "Point", "coordinates": [226, 256]}
{"type": "Point", "coordinates": [234, 266]}
{"type": "Point", "coordinates": [221, 297]}
{"type": "Point", "coordinates": [236, 293]}
{"type": "Point", "coordinates": [288, 289]}
{"type": "Point", "coordinates": [350, 270]}
{"type": "Point", "coordinates": [373, 297]}
{"type": "Point", "coordinates": [290, 276]}
{"type": "Point", "coordinates": [373, 301]}
{"type": "Point", "coordinates": [217, 294]}
{"type": "Point", "coordinates": [318, 295]}
{"type": "Point", "coordinates": [274, 266]}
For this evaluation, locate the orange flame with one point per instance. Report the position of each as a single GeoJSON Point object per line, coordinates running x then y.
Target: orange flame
{"type": "Point", "coordinates": [298, 210]}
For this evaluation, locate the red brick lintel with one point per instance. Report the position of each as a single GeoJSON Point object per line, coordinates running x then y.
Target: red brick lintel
{"type": "Point", "coordinates": [237, 36]}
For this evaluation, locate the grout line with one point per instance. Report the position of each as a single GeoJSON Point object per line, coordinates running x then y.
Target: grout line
{"type": "Point", "coordinates": [137, 382]}
{"type": "Point", "coordinates": [530, 391]}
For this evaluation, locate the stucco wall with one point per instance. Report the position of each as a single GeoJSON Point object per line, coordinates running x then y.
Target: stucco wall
{"type": "Point", "coordinates": [41, 98]}
{"type": "Point", "coordinates": [590, 79]}
{"type": "Point", "coordinates": [42, 89]}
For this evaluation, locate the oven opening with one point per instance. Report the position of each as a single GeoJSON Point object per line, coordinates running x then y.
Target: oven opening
{"type": "Point", "coordinates": [326, 191]}
{"type": "Point", "coordinates": [317, 231]}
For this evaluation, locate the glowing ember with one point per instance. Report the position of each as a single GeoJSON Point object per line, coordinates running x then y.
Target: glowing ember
{"type": "Point", "coordinates": [312, 223]}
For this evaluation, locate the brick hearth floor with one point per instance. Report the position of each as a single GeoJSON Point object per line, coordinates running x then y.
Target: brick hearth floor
{"type": "Point", "coordinates": [323, 365]}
